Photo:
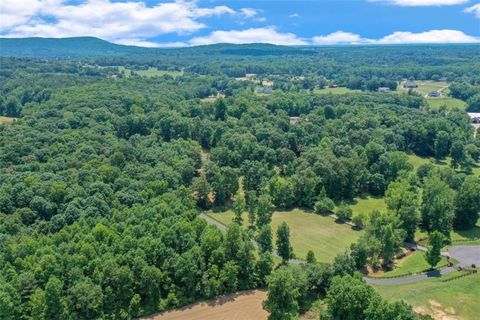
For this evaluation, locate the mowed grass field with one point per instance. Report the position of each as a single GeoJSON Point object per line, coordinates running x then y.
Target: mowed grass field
{"type": "Point", "coordinates": [459, 237]}
{"type": "Point", "coordinates": [451, 103]}
{"type": "Point", "coordinates": [150, 72]}
{"type": "Point", "coordinates": [455, 300]}
{"type": "Point", "coordinates": [246, 305]}
{"type": "Point", "coordinates": [7, 119]}
{"type": "Point", "coordinates": [366, 204]}
{"type": "Point", "coordinates": [338, 90]}
{"type": "Point", "coordinates": [308, 231]}
{"type": "Point", "coordinates": [412, 263]}
{"type": "Point", "coordinates": [426, 86]}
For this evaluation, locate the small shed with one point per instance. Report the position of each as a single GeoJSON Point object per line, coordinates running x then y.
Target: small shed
{"type": "Point", "coordinates": [435, 94]}
{"type": "Point", "coordinates": [384, 89]}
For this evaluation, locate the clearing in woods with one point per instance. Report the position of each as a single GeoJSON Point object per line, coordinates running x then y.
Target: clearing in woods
{"type": "Point", "coordinates": [308, 231]}
{"type": "Point", "coordinates": [7, 119]}
{"type": "Point", "coordinates": [246, 305]}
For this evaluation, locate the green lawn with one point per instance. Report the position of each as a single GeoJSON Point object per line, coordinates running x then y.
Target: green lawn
{"type": "Point", "coordinates": [451, 103]}
{"type": "Point", "coordinates": [150, 72]}
{"type": "Point", "coordinates": [308, 231]}
{"type": "Point", "coordinates": [154, 72]}
{"type": "Point", "coordinates": [366, 204]}
{"type": "Point", "coordinates": [412, 263]}
{"type": "Point", "coordinates": [417, 161]}
{"type": "Point", "coordinates": [339, 90]}
{"type": "Point", "coordinates": [426, 86]}
{"type": "Point", "coordinates": [471, 236]}
{"type": "Point", "coordinates": [459, 297]}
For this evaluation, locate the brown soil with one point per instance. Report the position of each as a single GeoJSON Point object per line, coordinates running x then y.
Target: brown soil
{"type": "Point", "coordinates": [246, 305]}
{"type": "Point", "coordinates": [435, 311]}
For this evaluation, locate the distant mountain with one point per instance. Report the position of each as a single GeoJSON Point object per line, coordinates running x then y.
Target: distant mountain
{"type": "Point", "coordinates": [64, 47]}
{"type": "Point", "coordinates": [93, 47]}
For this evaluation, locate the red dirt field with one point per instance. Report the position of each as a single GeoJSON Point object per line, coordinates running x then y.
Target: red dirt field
{"type": "Point", "coordinates": [245, 305]}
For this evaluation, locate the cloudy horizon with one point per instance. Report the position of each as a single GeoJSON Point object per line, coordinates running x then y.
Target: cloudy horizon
{"type": "Point", "coordinates": [189, 23]}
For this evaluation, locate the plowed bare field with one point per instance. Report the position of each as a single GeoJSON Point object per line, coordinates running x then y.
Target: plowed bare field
{"type": "Point", "coordinates": [246, 305]}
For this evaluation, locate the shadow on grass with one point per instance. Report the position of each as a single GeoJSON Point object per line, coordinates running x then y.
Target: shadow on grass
{"type": "Point", "coordinates": [470, 234]}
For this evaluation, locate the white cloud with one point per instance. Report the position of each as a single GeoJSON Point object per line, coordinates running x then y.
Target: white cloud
{"type": "Point", "coordinates": [248, 12]}
{"type": "Point", "coordinates": [138, 43]}
{"type": "Point", "coordinates": [252, 35]}
{"type": "Point", "coordinates": [114, 21]}
{"type": "Point", "coordinates": [475, 9]}
{"type": "Point", "coordinates": [18, 12]}
{"type": "Point", "coordinates": [294, 15]}
{"type": "Point", "coordinates": [338, 37]}
{"type": "Point", "coordinates": [399, 37]}
{"type": "Point", "coordinates": [432, 36]}
{"type": "Point", "coordinates": [419, 3]}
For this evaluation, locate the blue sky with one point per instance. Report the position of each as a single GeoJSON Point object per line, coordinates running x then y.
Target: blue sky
{"type": "Point", "coordinates": [180, 23]}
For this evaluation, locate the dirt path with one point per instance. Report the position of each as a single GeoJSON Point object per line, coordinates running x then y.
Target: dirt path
{"type": "Point", "coordinates": [246, 305]}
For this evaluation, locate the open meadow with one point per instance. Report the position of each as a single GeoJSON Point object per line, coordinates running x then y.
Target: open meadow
{"type": "Point", "coordinates": [453, 300]}
{"type": "Point", "coordinates": [450, 103]}
{"type": "Point", "coordinates": [364, 205]}
{"type": "Point", "coordinates": [308, 231]}
{"type": "Point", "coordinates": [337, 90]}
{"type": "Point", "coordinates": [7, 119]}
{"type": "Point", "coordinates": [412, 263]}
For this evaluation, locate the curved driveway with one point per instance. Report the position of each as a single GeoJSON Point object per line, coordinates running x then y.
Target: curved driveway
{"type": "Point", "coordinates": [465, 255]}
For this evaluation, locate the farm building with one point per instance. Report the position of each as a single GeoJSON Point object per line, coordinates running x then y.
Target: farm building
{"type": "Point", "coordinates": [435, 94]}
{"type": "Point", "coordinates": [384, 90]}
{"type": "Point", "coordinates": [410, 85]}
{"type": "Point", "coordinates": [443, 79]}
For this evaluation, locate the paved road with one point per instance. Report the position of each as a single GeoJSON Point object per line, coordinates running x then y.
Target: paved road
{"type": "Point", "coordinates": [466, 255]}
{"type": "Point", "coordinates": [413, 278]}
{"type": "Point", "coordinates": [223, 227]}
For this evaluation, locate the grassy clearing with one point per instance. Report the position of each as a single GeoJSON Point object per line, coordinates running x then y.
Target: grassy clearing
{"type": "Point", "coordinates": [154, 72]}
{"type": "Point", "coordinates": [338, 90]}
{"type": "Point", "coordinates": [366, 204]}
{"type": "Point", "coordinates": [417, 161]}
{"type": "Point", "coordinates": [459, 237]}
{"type": "Point", "coordinates": [457, 298]}
{"type": "Point", "coordinates": [424, 87]}
{"type": "Point", "coordinates": [412, 263]}
{"type": "Point", "coordinates": [150, 72]}
{"type": "Point", "coordinates": [451, 103]}
{"type": "Point", "coordinates": [308, 231]}
{"type": "Point", "coordinates": [7, 119]}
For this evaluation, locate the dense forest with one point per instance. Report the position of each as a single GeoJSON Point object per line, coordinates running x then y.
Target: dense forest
{"type": "Point", "coordinates": [103, 174]}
